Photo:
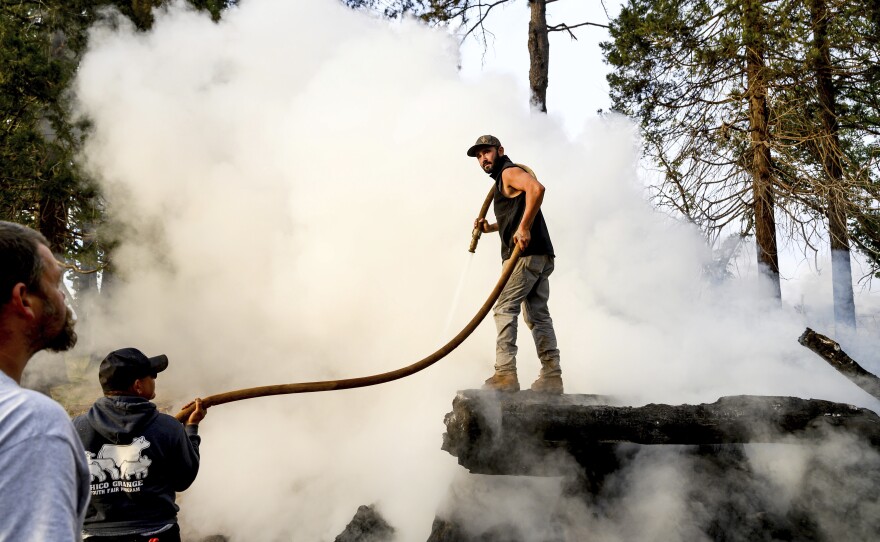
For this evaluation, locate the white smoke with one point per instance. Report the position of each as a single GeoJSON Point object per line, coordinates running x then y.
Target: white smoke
{"type": "Point", "coordinates": [294, 204]}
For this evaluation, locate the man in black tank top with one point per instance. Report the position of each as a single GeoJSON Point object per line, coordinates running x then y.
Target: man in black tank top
{"type": "Point", "coordinates": [517, 206]}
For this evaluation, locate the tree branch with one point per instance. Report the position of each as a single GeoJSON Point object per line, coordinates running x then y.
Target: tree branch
{"type": "Point", "coordinates": [482, 18]}
{"type": "Point", "coordinates": [831, 352]}
{"type": "Point", "coordinates": [569, 28]}
{"type": "Point", "coordinates": [76, 269]}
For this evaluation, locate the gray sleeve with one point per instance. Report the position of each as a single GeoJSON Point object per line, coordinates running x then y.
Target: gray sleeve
{"type": "Point", "coordinates": [39, 491]}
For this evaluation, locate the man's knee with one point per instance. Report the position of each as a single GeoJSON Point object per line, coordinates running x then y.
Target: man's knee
{"type": "Point", "coordinates": [539, 320]}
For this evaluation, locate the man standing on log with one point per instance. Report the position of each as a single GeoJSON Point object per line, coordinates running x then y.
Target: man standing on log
{"type": "Point", "coordinates": [44, 481]}
{"type": "Point", "coordinates": [138, 457]}
{"type": "Point", "coordinates": [517, 205]}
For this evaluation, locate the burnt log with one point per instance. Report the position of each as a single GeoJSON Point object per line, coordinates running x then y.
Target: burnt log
{"type": "Point", "coordinates": [831, 352]}
{"type": "Point", "coordinates": [367, 525]}
{"type": "Point", "coordinates": [537, 434]}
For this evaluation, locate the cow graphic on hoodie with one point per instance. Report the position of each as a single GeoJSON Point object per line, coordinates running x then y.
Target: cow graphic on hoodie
{"type": "Point", "coordinates": [120, 462]}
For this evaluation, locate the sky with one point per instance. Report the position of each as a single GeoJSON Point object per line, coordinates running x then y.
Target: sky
{"type": "Point", "coordinates": [577, 88]}
{"type": "Point", "coordinates": [294, 203]}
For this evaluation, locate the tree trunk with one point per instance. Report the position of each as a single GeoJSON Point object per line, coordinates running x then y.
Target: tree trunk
{"type": "Point", "coordinates": [539, 54]}
{"type": "Point", "coordinates": [85, 284]}
{"type": "Point", "coordinates": [53, 221]}
{"type": "Point", "coordinates": [828, 150]}
{"type": "Point", "coordinates": [762, 180]}
{"type": "Point", "coordinates": [142, 13]}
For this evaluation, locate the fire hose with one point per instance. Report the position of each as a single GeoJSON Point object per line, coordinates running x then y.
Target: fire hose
{"type": "Point", "coordinates": [373, 380]}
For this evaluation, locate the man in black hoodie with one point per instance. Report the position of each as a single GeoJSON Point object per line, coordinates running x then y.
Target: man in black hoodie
{"type": "Point", "coordinates": [138, 457]}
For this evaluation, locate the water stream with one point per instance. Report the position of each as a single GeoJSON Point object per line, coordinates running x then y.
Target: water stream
{"type": "Point", "coordinates": [461, 280]}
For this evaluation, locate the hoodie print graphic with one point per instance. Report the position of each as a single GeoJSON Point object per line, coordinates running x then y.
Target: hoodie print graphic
{"type": "Point", "coordinates": [124, 465]}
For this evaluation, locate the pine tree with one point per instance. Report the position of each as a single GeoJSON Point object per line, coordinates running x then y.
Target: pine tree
{"type": "Point", "coordinates": [696, 74]}
{"type": "Point", "coordinates": [41, 183]}
{"type": "Point", "coordinates": [755, 111]}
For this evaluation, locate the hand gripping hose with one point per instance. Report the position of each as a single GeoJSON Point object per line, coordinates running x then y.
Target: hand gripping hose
{"type": "Point", "coordinates": [475, 236]}
{"type": "Point", "coordinates": [364, 381]}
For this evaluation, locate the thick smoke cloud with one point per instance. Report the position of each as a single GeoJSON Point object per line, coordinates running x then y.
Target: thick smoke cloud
{"type": "Point", "coordinates": [293, 202]}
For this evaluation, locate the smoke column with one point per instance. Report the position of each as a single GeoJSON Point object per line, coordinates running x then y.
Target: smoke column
{"type": "Point", "coordinates": [293, 200]}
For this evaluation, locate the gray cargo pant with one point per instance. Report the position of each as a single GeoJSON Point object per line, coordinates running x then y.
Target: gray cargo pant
{"type": "Point", "coordinates": [528, 287]}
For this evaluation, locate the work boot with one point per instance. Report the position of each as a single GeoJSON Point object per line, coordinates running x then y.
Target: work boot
{"type": "Point", "coordinates": [548, 384]}
{"type": "Point", "coordinates": [504, 382]}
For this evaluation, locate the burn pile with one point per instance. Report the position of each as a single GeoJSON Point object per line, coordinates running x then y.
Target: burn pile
{"type": "Point", "coordinates": [742, 468]}
{"type": "Point", "coordinates": [532, 434]}
{"type": "Point", "coordinates": [367, 525]}
{"type": "Point", "coordinates": [600, 455]}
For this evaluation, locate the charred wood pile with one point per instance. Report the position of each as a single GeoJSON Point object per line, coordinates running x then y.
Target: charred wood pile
{"type": "Point", "coordinates": [367, 525]}
{"type": "Point", "coordinates": [531, 434]}
{"type": "Point", "coordinates": [602, 454]}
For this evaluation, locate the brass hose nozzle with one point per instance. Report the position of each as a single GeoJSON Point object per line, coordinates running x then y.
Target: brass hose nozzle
{"type": "Point", "coordinates": [475, 238]}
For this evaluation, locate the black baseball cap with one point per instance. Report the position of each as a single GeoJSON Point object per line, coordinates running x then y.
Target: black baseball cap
{"type": "Point", "coordinates": [121, 368]}
{"type": "Point", "coordinates": [483, 141]}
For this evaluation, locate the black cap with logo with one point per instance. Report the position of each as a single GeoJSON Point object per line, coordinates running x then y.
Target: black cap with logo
{"type": "Point", "coordinates": [483, 141]}
{"type": "Point", "coordinates": [121, 368]}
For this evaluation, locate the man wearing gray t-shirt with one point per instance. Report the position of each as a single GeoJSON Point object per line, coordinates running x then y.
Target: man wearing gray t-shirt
{"type": "Point", "coordinates": [44, 478]}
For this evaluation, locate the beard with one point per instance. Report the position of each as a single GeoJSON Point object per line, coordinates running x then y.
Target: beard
{"type": "Point", "coordinates": [64, 338]}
